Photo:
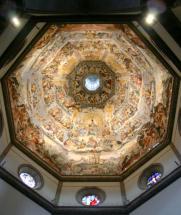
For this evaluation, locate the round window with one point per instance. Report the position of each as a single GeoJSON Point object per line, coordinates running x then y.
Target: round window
{"type": "Point", "coordinates": [90, 200]}
{"type": "Point", "coordinates": [30, 176]}
{"type": "Point", "coordinates": [153, 179]}
{"type": "Point", "coordinates": [90, 196]}
{"type": "Point", "coordinates": [28, 179]}
{"type": "Point", "coordinates": [92, 82]}
{"type": "Point", "coordinates": [150, 176]}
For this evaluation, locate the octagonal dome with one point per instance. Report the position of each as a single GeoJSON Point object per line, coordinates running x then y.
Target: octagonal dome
{"type": "Point", "coordinates": [102, 138]}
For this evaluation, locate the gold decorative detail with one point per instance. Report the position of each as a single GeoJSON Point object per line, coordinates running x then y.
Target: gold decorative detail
{"type": "Point", "coordinates": [83, 96]}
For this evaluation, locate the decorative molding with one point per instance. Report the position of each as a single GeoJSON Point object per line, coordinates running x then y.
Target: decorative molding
{"type": "Point", "coordinates": [12, 180]}
{"type": "Point", "coordinates": [81, 94]}
{"type": "Point", "coordinates": [179, 121]}
{"type": "Point", "coordinates": [58, 193]}
{"type": "Point", "coordinates": [5, 152]}
{"type": "Point", "coordinates": [91, 211]}
{"type": "Point", "coordinates": [176, 152]}
{"type": "Point", "coordinates": [1, 123]}
{"type": "Point", "coordinates": [123, 193]}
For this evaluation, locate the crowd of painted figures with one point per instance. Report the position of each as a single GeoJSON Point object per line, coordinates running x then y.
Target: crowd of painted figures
{"type": "Point", "coordinates": [82, 96]}
{"type": "Point", "coordinates": [78, 140]}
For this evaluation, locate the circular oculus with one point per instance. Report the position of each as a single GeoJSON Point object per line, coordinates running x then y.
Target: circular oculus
{"type": "Point", "coordinates": [92, 82]}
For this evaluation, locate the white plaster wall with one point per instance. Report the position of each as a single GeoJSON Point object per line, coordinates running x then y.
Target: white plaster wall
{"type": "Point", "coordinates": [169, 162]}
{"type": "Point", "coordinates": [70, 189]}
{"type": "Point", "coordinates": [167, 202]}
{"type": "Point", "coordinates": [13, 202]}
{"type": "Point", "coordinates": [15, 158]}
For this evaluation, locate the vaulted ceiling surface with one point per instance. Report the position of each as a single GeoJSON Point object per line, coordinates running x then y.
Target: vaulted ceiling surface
{"type": "Point", "coordinates": [51, 120]}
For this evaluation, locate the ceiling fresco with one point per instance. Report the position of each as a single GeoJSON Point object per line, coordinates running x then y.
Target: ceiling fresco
{"type": "Point", "coordinates": [84, 132]}
{"type": "Point", "coordinates": [83, 92]}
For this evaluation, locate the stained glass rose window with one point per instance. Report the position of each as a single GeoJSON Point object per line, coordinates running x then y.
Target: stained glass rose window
{"type": "Point", "coordinates": [150, 176]}
{"type": "Point", "coordinates": [90, 196]}
{"type": "Point", "coordinates": [90, 200]}
{"type": "Point", "coordinates": [30, 176]}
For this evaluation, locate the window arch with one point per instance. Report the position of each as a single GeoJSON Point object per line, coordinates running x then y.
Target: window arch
{"type": "Point", "coordinates": [30, 176]}
{"type": "Point", "coordinates": [90, 196]}
{"type": "Point", "coordinates": [150, 176]}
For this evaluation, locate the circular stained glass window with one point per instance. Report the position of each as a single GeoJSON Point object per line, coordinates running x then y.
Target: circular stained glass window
{"type": "Point", "coordinates": [90, 200]}
{"type": "Point", "coordinates": [30, 176]}
{"type": "Point", "coordinates": [150, 176]}
{"type": "Point", "coordinates": [90, 196]}
{"type": "Point", "coordinates": [28, 179]}
{"type": "Point", "coordinates": [92, 82]}
{"type": "Point", "coordinates": [153, 179]}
